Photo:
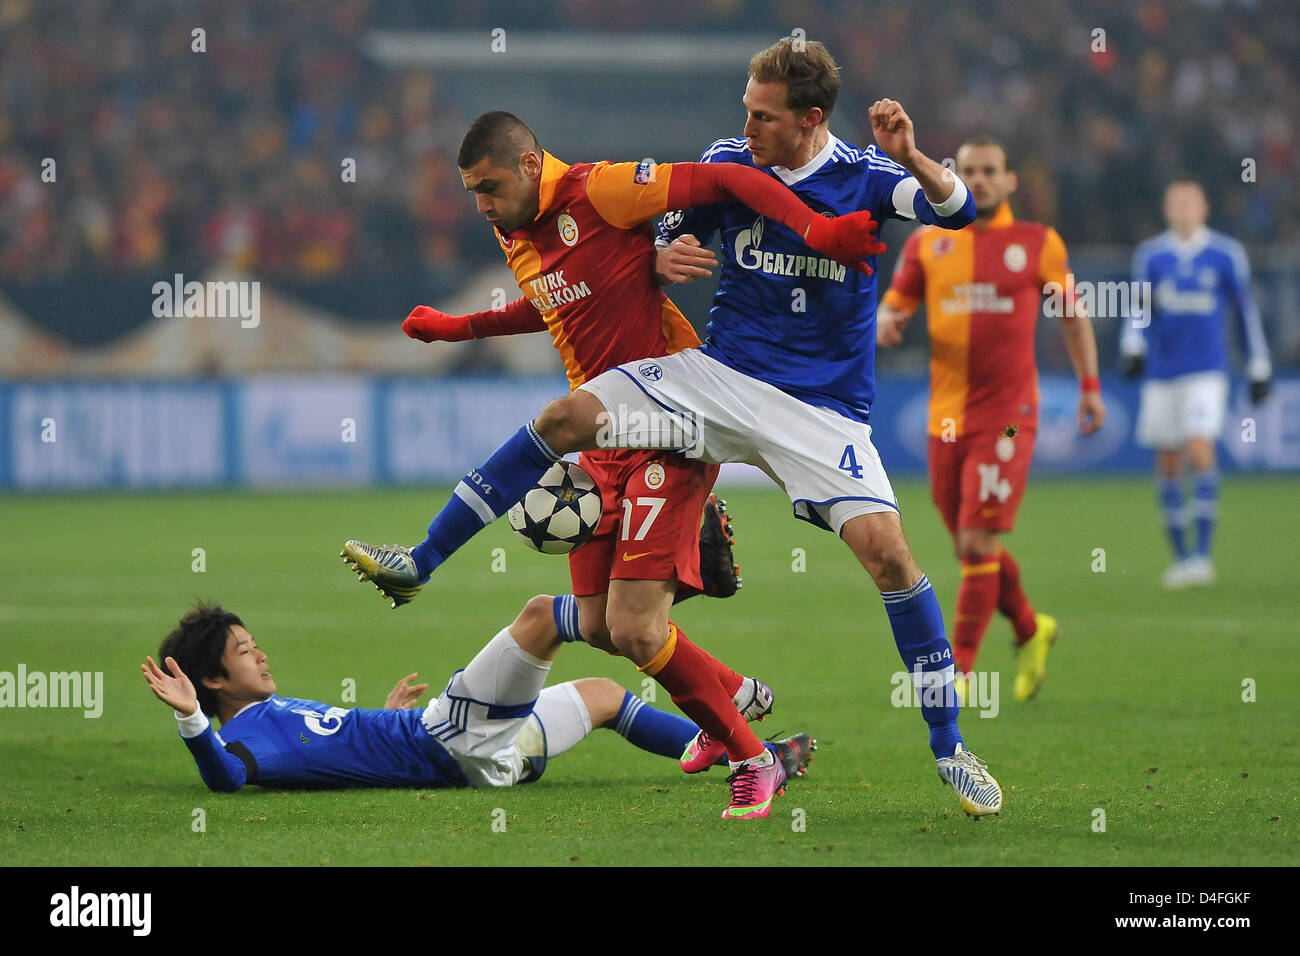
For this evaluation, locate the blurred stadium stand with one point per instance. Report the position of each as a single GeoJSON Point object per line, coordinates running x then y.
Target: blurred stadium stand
{"type": "Point", "coordinates": [226, 164]}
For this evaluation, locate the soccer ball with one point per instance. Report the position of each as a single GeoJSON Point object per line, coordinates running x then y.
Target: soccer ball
{"type": "Point", "coordinates": [560, 512]}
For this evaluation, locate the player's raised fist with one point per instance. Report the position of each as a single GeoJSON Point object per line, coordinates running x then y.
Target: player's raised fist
{"type": "Point", "coordinates": [893, 130]}
{"type": "Point", "coordinates": [430, 325]}
{"type": "Point", "coordinates": [846, 239]}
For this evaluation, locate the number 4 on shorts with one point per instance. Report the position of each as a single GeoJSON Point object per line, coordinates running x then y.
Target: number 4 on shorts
{"type": "Point", "coordinates": [849, 462]}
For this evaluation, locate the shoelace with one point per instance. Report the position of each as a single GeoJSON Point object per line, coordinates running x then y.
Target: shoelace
{"type": "Point", "coordinates": [702, 742]}
{"type": "Point", "coordinates": [744, 786]}
{"type": "Point", "coordinates": [976, 767]}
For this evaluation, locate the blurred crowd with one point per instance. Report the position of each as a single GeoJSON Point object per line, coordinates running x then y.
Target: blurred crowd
{"type": "Point", "coordinates": [168, 158]}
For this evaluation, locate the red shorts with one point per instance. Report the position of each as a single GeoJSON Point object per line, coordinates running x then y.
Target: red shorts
{"type": "Point", "coordinates": [650, 526]}
{"type": "Point", "coordinates": [978, 480]}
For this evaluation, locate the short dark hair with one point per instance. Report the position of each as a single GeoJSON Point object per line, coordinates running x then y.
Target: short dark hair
{"type": "Point", "coordinates": [198, 643]}
{"type": "Point", "coordinates": [984, 139]}
{"type": "Point", "coordinates": [499, 136]}
{"type": "Point", "coordinates": [809, 72]}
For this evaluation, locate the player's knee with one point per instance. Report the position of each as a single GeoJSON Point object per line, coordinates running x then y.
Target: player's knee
{"type": "Point", "coordinates": [975, 543]}
{"type": "Point", "coordinates": [602, 697]}
{"type": "Point", "coordinates": [535, 624]}
{"type": "Point", "coordinates": [633, 638]}
{"type": "Point", "coordinates": [565, 424]}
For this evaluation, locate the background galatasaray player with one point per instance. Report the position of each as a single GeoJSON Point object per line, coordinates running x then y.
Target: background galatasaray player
{"type": "Point", "coordinates": [578, 240]}
{"type": "Point", "coordinates": [983, 287]}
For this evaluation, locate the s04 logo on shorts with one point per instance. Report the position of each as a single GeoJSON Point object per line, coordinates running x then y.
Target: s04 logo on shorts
{"type": "Point", "coordinates": [650, 371]}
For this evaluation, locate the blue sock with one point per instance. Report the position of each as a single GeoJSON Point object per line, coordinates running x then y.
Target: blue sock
{"type": "Point", "coordinates": [1205, 505]}
{"type": "Point", "coordinates": [484, 495]}
{"type": "Point", "coordinates": [917, 620]}
{"type": "Point", "coordinates": [565, 610]}
{"type": "Point", "coordinates": [1171, 501]}
{"type": "Point", "coordinates": [653, 730]}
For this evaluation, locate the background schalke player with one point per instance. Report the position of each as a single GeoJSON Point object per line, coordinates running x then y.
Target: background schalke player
{"type": "Point", "coordinates": [1196, 276]}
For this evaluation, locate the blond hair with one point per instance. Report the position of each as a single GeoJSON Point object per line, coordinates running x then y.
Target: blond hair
{"type": "Point", "coordinates": [807, 69]}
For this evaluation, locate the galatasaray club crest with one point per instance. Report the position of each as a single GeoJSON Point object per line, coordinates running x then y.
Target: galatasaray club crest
{"type": "Point", "coordinates": [568, 229]}
{"type": "Point", "coordinates": [1015, 258]}
{"type": "Point", "coordinates": [942, 246]}
{"type": "Point", "coordinates": [654, 475]}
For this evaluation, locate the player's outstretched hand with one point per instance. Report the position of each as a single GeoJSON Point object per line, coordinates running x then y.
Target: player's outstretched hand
{"type": "Point", "coordinates": [1259, 390]}
{"type": "Point", "coordinates": [176, 692]}
{"type": "Point", "coordinates": [405, 694]}
{"type": "Point", "coordinates": [846, 239]}
{"type": "Point", "coordinates": [430, 325]}
{"type": "Point", "coordinates": [1092, 412]}
{"type": "Point", "coordinates": [684, 260]}
{"type": "Point", "coordinates": [893, 130]}
{"type": "Point", "coordinates": [1131, 365]}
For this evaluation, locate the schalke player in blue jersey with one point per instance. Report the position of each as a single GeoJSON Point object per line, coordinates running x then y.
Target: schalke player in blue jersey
{"type": "Point", "coordinates": [1196, 276]}
{"type": "Point", "coordinates": [495, 724]}
{"type": "Point", "coordinates": [786, 377]}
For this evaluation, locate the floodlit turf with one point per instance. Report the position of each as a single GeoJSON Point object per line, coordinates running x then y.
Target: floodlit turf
{"type": "Point", "coordinates": [1142, 716]}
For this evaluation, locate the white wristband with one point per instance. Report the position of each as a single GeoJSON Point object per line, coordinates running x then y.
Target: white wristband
{"type": "Point", "coordinates": [955, 200]}
{"type": "Point", "coordinates": [193, 725]}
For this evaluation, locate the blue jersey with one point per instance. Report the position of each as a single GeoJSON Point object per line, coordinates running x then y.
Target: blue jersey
{"type": "Point", "coordinates": [287, 742]}
{"type": "Point", "coordinates": [1194, 284]}
{"type": "Point", "coordinates": [784, 314]}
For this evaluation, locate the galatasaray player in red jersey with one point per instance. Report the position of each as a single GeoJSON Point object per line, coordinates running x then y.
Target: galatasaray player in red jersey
{"type": "Point", "coordinates": [983, 287]}
{"type": "Point", "coordinates": [579, 240]}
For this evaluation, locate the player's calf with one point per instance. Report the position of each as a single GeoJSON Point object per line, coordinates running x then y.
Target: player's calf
{"type": "Point", "coordinates": [877, 541]}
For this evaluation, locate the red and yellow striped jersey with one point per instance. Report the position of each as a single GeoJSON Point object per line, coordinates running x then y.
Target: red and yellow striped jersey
{"type": "Point", "coordinates": [983, 288]}
{"type": "Point", "coordinates": [585, 264]}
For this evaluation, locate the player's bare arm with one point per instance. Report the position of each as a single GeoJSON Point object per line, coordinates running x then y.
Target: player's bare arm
{"type": "Point", "coordinates": [895, 134]}
{"type": "Point", "coordinates": [683, 260]}
{"type": "Point", "coordinates": [1081, 343]}
{"type": "Point", "coordinates": [176, 692]}
{"type": "Point", "coordinates": [890, 323]}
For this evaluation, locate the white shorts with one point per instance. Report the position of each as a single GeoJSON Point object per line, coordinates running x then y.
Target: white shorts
{"type": "Point", "coordinates": [1176, 409]}
{"type": "Point", "coordinates": [479, 718]}
{"type": "Point", "coordinates": [691, 403]}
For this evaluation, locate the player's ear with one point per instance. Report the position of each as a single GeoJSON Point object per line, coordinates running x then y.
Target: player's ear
{"type": "Point", "coordinates": [530, 165]}
{"type": "Point", "coordinates": [1012, 181]}
{"type": "Point", "coordinates": [813, 118]}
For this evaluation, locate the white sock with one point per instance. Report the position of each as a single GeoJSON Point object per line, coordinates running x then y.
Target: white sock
{"type": "Point", "coordinates": [762, 760]}
{"type": "Point", "coordinates": [745, 694]}
{"type": "Point", "coordinates": [564, 717]}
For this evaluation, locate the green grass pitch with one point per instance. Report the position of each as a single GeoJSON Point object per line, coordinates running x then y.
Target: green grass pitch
{"type": "Point", "coordinates": [1142, 716]}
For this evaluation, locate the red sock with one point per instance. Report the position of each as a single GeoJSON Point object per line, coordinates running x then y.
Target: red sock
{"type": "Point", "coordinates": [1012, 600]}
{"type": "Point", "coordinates": [977, 596]}
{"type": "Point", "coordinates": [728, 678]}
{"type": "Point", "coordinates": [689, 675]}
